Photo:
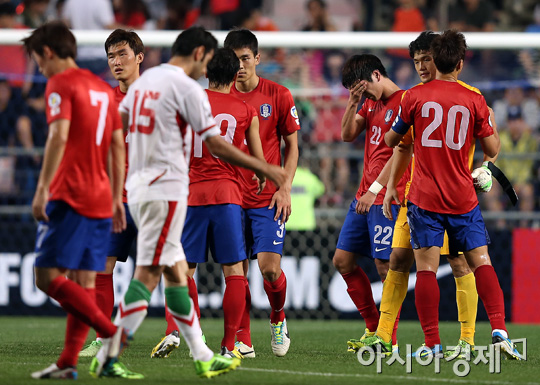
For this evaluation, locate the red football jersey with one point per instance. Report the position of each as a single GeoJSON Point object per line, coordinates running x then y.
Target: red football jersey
{"type": "Point", "coordinates": [446, 119]}
{"type": "Point", "coordinates": [277, 117]}
{"type": "Point", "coordinates": [379, 117]}
{"type": "Point", "coordinates": [89, 104]}
{"type": "Point", "coordinates": [211, 180]}
{"type": "Point", "coordinates": [119, 96]}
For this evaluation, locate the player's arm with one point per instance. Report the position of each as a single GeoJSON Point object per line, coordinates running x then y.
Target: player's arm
{"type": "Point", "coordinates": [255, 148]}
{"type": "Point", "coordinates": [396, 133]}
{"type": "Point", "coordinates": [482, 175]}
{"type": "Point", "coordinates": [282, 197]}
{"type": "Point", "coordinates": [227, 152]}
{"type": "Point", "coordinates": [366, 201]}
{"type": "Point", "coordinates": [54, 152]}
{"type": "Point", "coordinates": [118, 161]}
{"type": "Point", "coordinates": [352, 124]}
{"type": "Point", "coordinates": [401, 159]}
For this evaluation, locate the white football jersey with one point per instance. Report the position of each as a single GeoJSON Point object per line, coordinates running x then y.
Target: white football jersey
{"type": "Point", "coordinates": [164, 105]}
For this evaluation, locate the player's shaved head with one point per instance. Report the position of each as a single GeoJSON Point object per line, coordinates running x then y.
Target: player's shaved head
{"type": "Point", "coordinates": [55, 35]}
{"type": "Point", "coordinates": [361, 67]}
{"type": "Point", "coordinates": [223, 67]}
{"type": "Point", "coordinates": [448, 50]}
{"type": "Point", "coordinates": [242, 38]}
{"type": "Point", "coordinates": [422, 43]}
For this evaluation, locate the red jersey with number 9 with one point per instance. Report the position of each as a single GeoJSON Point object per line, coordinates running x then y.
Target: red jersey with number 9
{"type": "Point", "coordinates": [211, 180]}
{"type": "Point", "coordinates": [89, 104]}
{"type": "Point", "coordinates": [446, 118]}
{"type": "Point", "coordinates": [379, 116]}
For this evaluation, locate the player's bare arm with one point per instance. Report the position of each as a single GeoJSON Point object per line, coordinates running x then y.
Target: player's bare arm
{"type": "Point", "coordinates": [227, 152]}
{"type": "Point", "coordinates": [482, 175]}
{"type": "Point", "coordinates": [392, 138]}
{"type": "Point", "coordinates": [54, 152]}
{"type": "Point", "coordinates": [254, 144]}
{"type": "Point", "coordinates": [282, 197]}
{"type": "Point", "coordinates": [118, 157]}
{"type": "Point", "coordinates": [353, 124]}
{"type": "Point", "coordinates": [401, 159]}
{"type": "Point", "coordinates": [366, 201]}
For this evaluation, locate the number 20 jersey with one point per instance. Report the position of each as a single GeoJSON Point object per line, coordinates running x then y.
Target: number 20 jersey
{"type": "Point", "coordinates": [211, 180]}
{"type": "Point", "coordinates": [446, 119]}
{"type": "Point", "coordinates": [162, 105]}
{"type": "Point", "coordinates": [89, 104]}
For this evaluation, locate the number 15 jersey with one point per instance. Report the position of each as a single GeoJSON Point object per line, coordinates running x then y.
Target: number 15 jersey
{"type": "Point", "coordinates": [162, 105]}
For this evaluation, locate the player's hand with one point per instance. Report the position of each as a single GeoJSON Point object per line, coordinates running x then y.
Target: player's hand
{"type": "Point", "coordinates": [282, 201]}
{"type": "Point", "coordinates": [39, 203]}
{"type": "Point", "coordinates": [119, 217]}
{"type": "Point", "coordinates": [365, 202]}
{"type": "Point", "coordinates": [390, 196]}
{"type": "Point", "coordinates": [356, 91]}
{"type": "Point", "coordinates": [261, 183]}
{"type": "Point", "coordinates": [482, 179]}
{"type": "Point", "coordinates": [276, 174]}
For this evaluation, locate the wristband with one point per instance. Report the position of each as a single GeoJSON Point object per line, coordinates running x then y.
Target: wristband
{"type": "Point", "coordinates": [375, 188]}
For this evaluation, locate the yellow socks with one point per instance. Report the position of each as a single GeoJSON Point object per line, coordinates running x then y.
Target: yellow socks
{"type": "Point", "coordinates": [394, 292]}
{"type": "Point", "coordinates": [467, 303]}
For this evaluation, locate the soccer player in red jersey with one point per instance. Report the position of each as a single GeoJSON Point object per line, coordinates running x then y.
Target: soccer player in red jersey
{"type": "Point", "coordinates": [265, 214]}
{"type": "Point", "coordinates": [447, 118]}
{"type": "Point", "coordinates": [125, 53]}
{"type": "Point", "coordinates": [162, 109]}
{"type": "Point", "coordinates": [214, 214]}
{"type": "Point", "coordinates": [366, 232]}
{"type": "Point", "coordinates": [73, 199]}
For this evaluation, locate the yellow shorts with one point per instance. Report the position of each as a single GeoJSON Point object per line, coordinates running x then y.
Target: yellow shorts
{"type": "Point", "coordinates": [402, 233]}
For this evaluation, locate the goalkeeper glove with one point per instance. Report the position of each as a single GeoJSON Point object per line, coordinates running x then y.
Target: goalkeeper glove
{"type": "Point", "coordinates": [482, 178]}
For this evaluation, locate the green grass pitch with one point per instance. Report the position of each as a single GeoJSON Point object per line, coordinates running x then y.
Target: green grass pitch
{"type": "Point", "coordinates": [317, 355]}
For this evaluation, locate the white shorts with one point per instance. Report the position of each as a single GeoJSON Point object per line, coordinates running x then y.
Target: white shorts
{"type": "Point", "coordinates": [160, 225]}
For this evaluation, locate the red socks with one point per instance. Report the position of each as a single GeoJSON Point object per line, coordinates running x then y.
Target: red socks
{"type": "Point", "coordinates": [234, 303]}
{"type": "Point", "coordinates": [244, 329]}
{"type": "Point", "coordinates": [105, 295]}
{"type": "Point", "coordinates": [77, 301]}
{"type": "Point", "coordinates": [394, 332]}
{"type": "Point", "coordinates": [489, 291]}
{"type": "Point", "coordinates": [276, 292]}
{"type": "Point", "coordinates": [427, 297]}
{"type": "Point", "coordinates": [359, 289]}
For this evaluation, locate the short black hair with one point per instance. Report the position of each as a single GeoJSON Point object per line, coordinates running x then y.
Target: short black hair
{"type": "Point", "coordinates": [422, 43]}
{"type": "Point", "coordinates": [223, 67]}
{"type": "Point", "coordinates": [448, 50]}
{"type": "Point", "coordinates": [119, 36]}
{"type": "Point", "coordinates": [242, 38]}
{"type": "Point", "coordinates": [55, 35]}
{"type": "Point", "coordinates": [361, 67]}
{"type": "Point", "coordinates": [192, 38]}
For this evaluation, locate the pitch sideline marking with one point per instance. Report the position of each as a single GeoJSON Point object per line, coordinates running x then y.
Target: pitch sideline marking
{"type": "Point", "coordinates": [404, 377]}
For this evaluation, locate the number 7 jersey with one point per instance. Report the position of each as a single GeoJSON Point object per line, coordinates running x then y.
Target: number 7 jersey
{"type": "Point", "coordinates": [446, 118]}
{"type": "Point", "coordinates": [164, 105]}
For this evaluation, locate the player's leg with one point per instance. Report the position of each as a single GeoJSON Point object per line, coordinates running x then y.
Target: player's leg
{"type": "Point", "coordinates": [234, 303]}
{"type": "Point", "coordinates": [243, 336]}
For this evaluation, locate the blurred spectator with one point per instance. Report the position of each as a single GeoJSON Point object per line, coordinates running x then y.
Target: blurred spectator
{"type": "Point", "coordinates": [226, 12]}
{"type": "Point", "coordinates": [515, 97]}
{"type": "Point", "coordinates": [131, 13]}
{"type": "Point", "coordinates": [516, 139]}
{"type": "Point", "coordinates": [35, 12]}
{"type": "Point", "coordinates": [530, 59]}
{"type": "Point", "coordinates": [180, 14]}
{"type": "Point", "coordinates": [318, 18]}
{"type": "Point", "coordinates": [306, 188]}
{"type": "Point", "coordinates": [254, 20]}
{"type": "Point", "coordinates": [14, 63]}
{"type": "Point", "coordinates": [472, 16]}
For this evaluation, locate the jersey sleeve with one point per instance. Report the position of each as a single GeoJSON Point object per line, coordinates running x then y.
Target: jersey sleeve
{"type": "Point", "coordinates": [483, 126]}
{"type": "Point", "coordinates": [58, 96]}
{"type": "Point", "coordinates": [288, 117]}
{"type": "Point", "coordinates": [405, 108]}
{"type": "Point", "coordinates": [198, 114]}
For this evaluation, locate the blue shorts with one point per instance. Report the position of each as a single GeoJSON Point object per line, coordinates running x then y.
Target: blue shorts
{"type": "Point", "coordinates": [465, 231]}
{"type": "Point", "coordinates": [368, 235]}
{"type": "Point", "coordinates": [72, 241]}
{"type": "Point", "coordinates": [214, 227]}
{"type": "Point", "coordinates": [263, 233]}
{"type": "Point", "coordinates": [121, 243]}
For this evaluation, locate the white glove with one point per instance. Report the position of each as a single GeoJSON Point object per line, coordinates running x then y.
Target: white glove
{"type": "Point", "coordinates": [482, 178]}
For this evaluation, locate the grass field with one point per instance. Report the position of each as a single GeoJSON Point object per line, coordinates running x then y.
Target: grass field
{"type": "Point", "coordinates": [317, 355]}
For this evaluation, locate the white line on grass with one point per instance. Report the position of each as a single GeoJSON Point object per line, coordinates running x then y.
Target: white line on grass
{"type": "Point", "coordinates": [401, 377]}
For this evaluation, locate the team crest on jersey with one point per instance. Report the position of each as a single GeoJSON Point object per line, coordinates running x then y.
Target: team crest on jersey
{"type": "Point", "coordinates": [266, 110]}
{"type": "Point", "coordinates": [54, 102]}
{"type": "Point", "coordinates": [388, 115]}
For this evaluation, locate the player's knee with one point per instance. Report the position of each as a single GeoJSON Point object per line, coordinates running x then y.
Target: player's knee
{"type": "Point", "coordinates": [459, 266]}
{"type": "Point", "coordinates": [343, 265]}
{"type": "Point", "coordinates": [270, 274]}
